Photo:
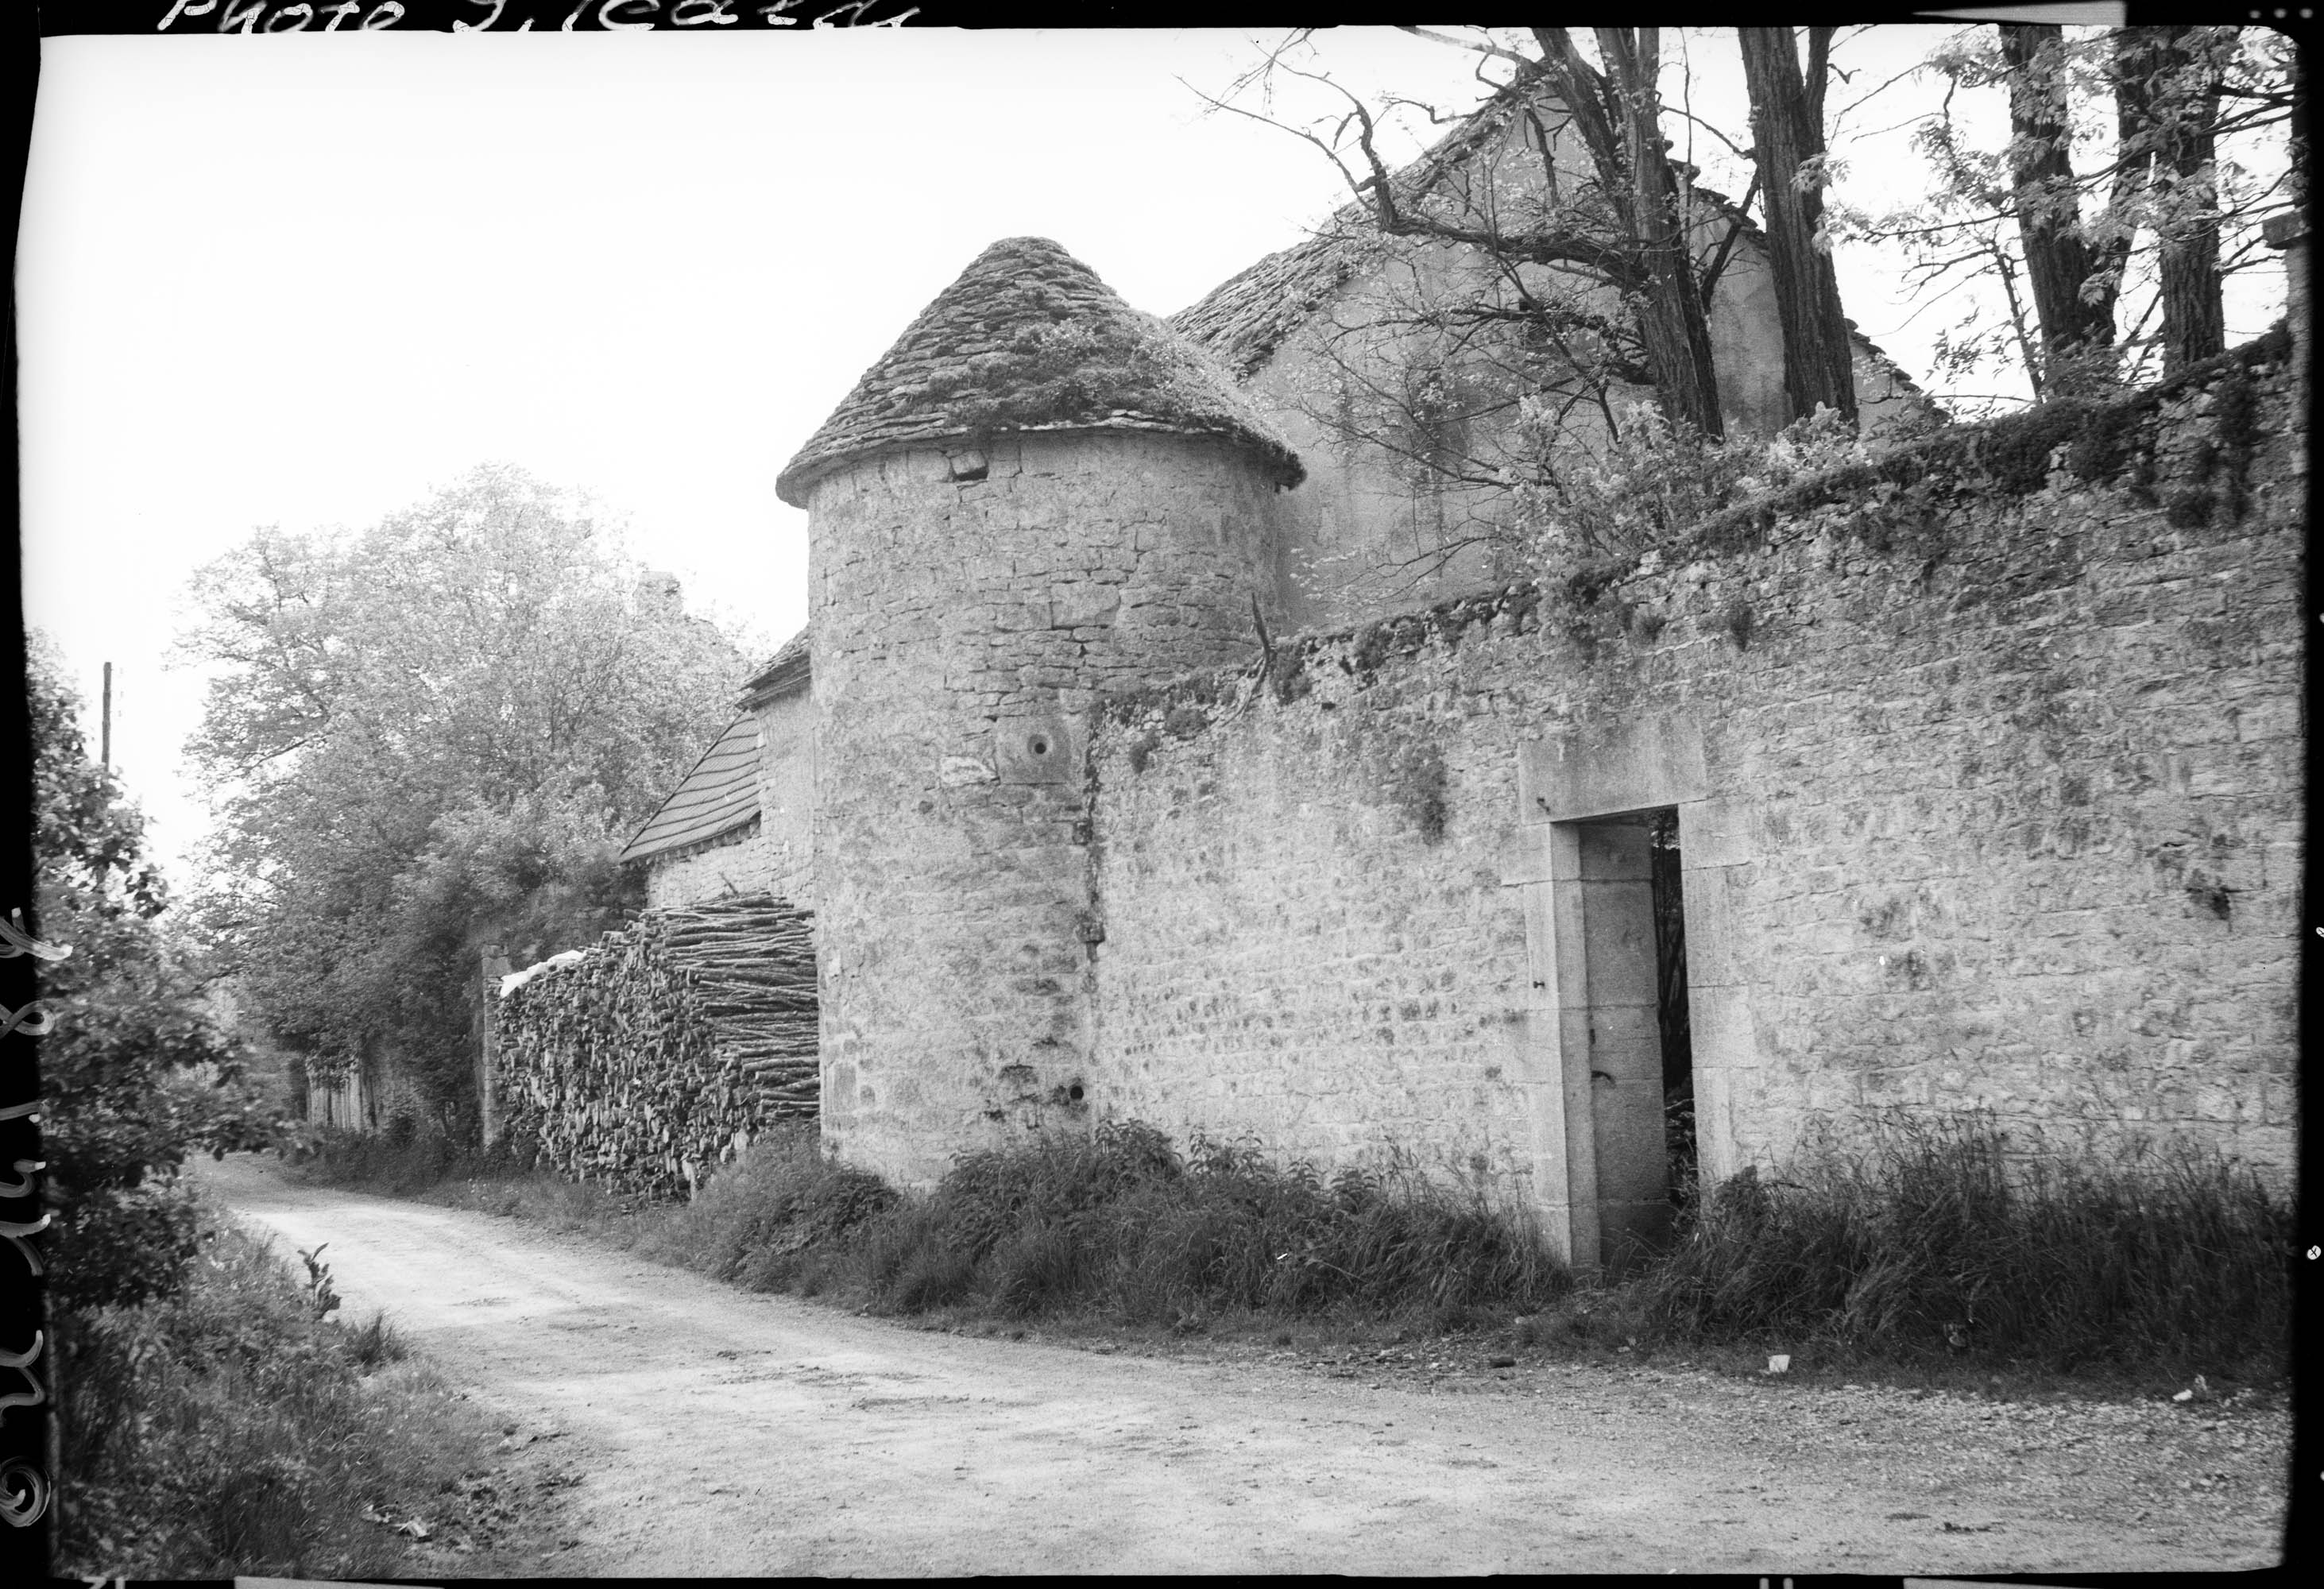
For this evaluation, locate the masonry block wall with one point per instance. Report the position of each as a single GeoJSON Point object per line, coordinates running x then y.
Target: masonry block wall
{"type": "Point", "coordinates": [1989, 769]}
{"type": "Point", "coordinates": [787, 797]}
{"type": "Point", "coordinates": [734, 864]}
{"type": "Point", "coordinates": [1305, 936]}
{"type": "Point", "coordinates": [969, 607]}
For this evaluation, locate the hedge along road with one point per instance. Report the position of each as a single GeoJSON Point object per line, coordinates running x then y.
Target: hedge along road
{"type": "Point", "coordinates": [717, 1432]}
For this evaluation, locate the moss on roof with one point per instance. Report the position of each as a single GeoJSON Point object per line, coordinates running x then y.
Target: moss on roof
{"type": "Point", "coordinates": [1027, 338]}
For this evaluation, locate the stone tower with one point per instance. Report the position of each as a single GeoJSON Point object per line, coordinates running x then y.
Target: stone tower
{"type": "Point", "coordinates": [1038, 496]}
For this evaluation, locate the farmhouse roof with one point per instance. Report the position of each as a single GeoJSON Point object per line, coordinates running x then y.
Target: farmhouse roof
{"type": "Point", "coordinates": [1242, 321]}
{"type": "Point", "coordinates": [783, 672]}
{"type": "Point", "coordinates": [1028, 338]}
{"type": "Point", "coordinates": [719, 796]}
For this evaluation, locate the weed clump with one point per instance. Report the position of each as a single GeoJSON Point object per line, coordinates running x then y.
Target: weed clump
{"type": "Point", "coordinates": [1928, 1238]}
{"type": "Point", "coordinates": [232, 1428]}
{"type": "Point", "coordinates": [1117, 1222]}
{"type": "Point", "coordinates": [775, 1216]}
{"type": "Point", "coordinates": [402, 1162]}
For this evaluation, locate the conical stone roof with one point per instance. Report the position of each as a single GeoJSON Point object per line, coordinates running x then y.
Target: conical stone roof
{"type": "Point", "coordinates": [1027, 338]}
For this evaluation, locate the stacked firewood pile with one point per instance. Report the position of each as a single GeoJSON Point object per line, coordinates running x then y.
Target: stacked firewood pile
{"type": "Point", "coordinates": [664, 1048]}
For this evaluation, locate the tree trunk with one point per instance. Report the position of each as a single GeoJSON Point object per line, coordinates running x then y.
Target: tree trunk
{"type": "Point", "coordinates": [2077, 336]}
{"type": "Point", "coordinates": [2186, 101]}
{"type": "Point", "coordinates": [2297, 191]}
{"type": "Point", "coordinates": [1786, 134]}
{"type": "Point", "coordinates": [1618, 115]}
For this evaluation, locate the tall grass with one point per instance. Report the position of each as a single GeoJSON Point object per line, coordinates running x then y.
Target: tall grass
{"type": "Point", "coordinates": [231, 1429]}
{"type": "Point", "coordinates": [1117, 1223]}
{"type": "Point", "coordinates": [1925, 1237]}
{"type": "Point", "coordinates": [779, 1218]}
{"type": "Point", "coordinates": [1923, 1241]}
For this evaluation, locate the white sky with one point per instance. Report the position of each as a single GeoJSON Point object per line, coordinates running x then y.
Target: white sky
{"type": "Point", "coordinates": [303, 280]}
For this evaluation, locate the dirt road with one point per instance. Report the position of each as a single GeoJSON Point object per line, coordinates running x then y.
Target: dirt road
{"type": "Point", "coordinates": [694, 1429]}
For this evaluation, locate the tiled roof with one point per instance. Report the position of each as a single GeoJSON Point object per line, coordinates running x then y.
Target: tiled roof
{"type": "Point", "coordinates": [719, 796]}
{"type": "Point", "coordinates": [1242, 321]}
{"type": "Point", "coordinates": [785, 670]}
{"type": "Point", "coordinates": [1880, 358]}
{"type": "Point", "coordinates": [1027, 338]}
{"type": "Point", "coordinates": [1246, 316]}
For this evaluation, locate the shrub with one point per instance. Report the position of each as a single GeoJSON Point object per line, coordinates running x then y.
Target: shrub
{"type": "Point", "coordinates": [1118, 1222]}
{"type": "Point", "coordinates": [759, 1220]}
{"type": "Point", "coordinates": [1654, 483]}
{"type": "Point", "coordinates": [229, 1428]}
{"type": "Point", "coordinates": [1927, 1238]}
{"type": "Point", "coordinates": [1115, 1222]}
{"type": "Point", "coordinates": [136, 1073]}
{"type": "Point", "coordinates": [411, 1158]}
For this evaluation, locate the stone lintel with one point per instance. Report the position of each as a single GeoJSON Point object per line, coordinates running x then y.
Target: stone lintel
{"type": "Point", "coordinates": [1612, 768]}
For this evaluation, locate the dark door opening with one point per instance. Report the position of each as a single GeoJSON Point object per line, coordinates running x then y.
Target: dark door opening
{"type": "Point", "coordinates": [1631, 983]}
{"type": "Point", "coordinates": [1670, 1010]}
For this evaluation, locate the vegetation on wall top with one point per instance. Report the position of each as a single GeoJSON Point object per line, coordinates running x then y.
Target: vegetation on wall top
{"type": "Point", "coordinates": [1897, 495]}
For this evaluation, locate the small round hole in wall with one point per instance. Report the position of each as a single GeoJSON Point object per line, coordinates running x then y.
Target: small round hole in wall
{"type": "Point", "coordinates": [1038, 744]}
{"type": "Point", "coordinates": [1075, 1092]}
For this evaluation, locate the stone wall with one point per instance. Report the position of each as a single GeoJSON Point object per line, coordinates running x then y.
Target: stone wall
{"type": "Point", "coordinates": [775, 854]}
{"type": "Point", "coordinates": [787, 797]}
{"type": "Point", "coordinates": [968, 608]}
{"type": "Point", "coordinates": [1288, 951]}
{"type": "Point", "coordinates": [1989, 768]}
{"type": "Point", "coordinates": [739, 862]}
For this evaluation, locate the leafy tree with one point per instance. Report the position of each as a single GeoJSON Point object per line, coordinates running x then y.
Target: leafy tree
{"type": "Point", "coordinates": [2170, 80]}
{"type": "Point", "coordinates": [424, 737]}
{"type": "Point", "coordinates": [134, 1070]}
{"type": "Point", "coordinates": [2075, 327]}
{"type": "Point", "coordinates": [2135, 176]}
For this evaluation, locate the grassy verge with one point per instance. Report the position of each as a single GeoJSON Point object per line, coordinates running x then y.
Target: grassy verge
{"type": "Point", "coordinates": [1910, 1255]}
{"type": "Point", "coordinates": [1922, 1240]}
{"type": "Point", "coordinates": [235, 1428]}
{"type": "Point", "coordinates": [1116, 1227]}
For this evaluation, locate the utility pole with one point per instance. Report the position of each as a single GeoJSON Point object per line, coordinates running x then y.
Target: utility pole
{"type": "Point", "coordinates": [105, 726]}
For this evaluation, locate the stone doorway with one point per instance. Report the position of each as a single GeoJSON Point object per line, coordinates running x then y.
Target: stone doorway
{"type": "Point", "coordinates": [1636, 1023]}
